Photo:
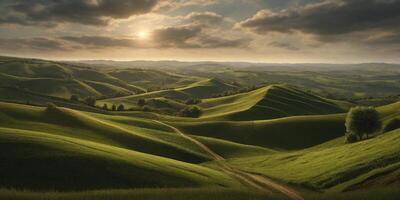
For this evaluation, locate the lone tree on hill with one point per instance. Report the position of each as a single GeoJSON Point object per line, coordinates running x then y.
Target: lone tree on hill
{"type": "Point", "coordinates": [121, 107]}
{"type": "Point", "coordinates": [362, 121]}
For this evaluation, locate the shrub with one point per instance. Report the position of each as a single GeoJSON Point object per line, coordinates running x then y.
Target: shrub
{"type": "Point", "coordinates": [74, 97]}
{"type": "Point", "coordinates": [121, 107]}
{"type": "Point", "coordinates": [363, 121]}
{"type": "Point", "coordinates": [113, 107]}
{"type": "Point", "coordinates": [392, 125]}
{"type": "Point", "coordinates": [141, 102]}
{"type": "Point", "coordinates": [105, 106]}
{"type": "Point", "coordinates": [51, 107]}
{"type": "Point", "coordinates": [91, 101]}
{"type": "Point", "coordinates": [191, 111]}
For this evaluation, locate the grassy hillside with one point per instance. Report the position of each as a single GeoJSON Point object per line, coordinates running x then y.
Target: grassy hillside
{"type": "Point", "coordinates": [153, 79]}
{"type": "Point", "coordinates": [65, 163]}
{"type": "Point", "coordinates": [61, 80]}
{"type": "Point", "coordinates": [76, 124]}
{"type": "Point", "coordinates": [201, 89]}
{"type": "Point", "coordinates": [270, 102]}
{"type": "Point", "coordinates": [285, 133]}
{"type": "Point", "coordinates": [336, 168]}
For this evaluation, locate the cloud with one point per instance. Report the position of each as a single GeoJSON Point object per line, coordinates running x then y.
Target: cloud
{"type": "Point", "coordinates": [329, 19]}
{"type": "Point", "coordinates": [175, 36]}
{"type": "Point", "coordinates": [87, 12]}
{"type": "Point", "coordinates": [193, 36]}
{"type": "Point", "coordinates": [205, 18]}
{"type": "Point", "coordinates": [39, 44]}
{"type": "Point", "coordinates": [170, 5]}
{"type": "Point", "coordinates": [283, 45]}
{"type": "Point", "coordinates": [100, 41]}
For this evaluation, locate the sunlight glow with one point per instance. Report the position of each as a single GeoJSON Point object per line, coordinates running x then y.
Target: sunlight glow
{"type": "Point", "coordinates": [143, 35]}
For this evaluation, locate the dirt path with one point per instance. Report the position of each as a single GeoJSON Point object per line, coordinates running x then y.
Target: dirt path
{"type": "Point", "coordinates": [252, 180]}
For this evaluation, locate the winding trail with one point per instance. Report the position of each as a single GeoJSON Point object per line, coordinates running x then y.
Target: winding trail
{"type": "Point", "coordinates": [255, 181]}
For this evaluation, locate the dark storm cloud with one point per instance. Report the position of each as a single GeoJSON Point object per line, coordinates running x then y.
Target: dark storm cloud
{"type": "Point", "coordinates": [89, 12]}
{"type": "Point", "coordinates": [41, 44]}
{"type": "Point", "coordinates": [99, 41]}
{"type": "Point", "coordinates": [331, 17]}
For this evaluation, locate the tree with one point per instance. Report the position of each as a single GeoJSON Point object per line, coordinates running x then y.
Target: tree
{"type": "Point", "coordinates": [121, 107]}
{"type": "Point", "coordinates": [191, 111]}
{"type": "Point", "coordinates": [113, 107]}
{"type": "Point", "coordinates": [393, 124]}
{"type": "Point", "coordinates": [141, 102]}
{"type": "Point", "coordinates": [105, 106]}
{"type": "Point", "coordinates": [363, 121]}
{"type": "Point", "coordinates": [74, 97]}
{"type": "Point", "coordinates": [91, 101]}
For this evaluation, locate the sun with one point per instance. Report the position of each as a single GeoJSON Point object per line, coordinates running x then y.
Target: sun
{"type": "Point", "coordinates": [143, 35]}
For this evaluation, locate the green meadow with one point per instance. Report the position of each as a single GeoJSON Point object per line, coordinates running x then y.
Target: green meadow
{"type": "Point", "coordinates": [251, 139]}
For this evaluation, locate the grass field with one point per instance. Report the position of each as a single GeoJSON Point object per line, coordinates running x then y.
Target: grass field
{"type": "Point", "coordinates": [280, 137]}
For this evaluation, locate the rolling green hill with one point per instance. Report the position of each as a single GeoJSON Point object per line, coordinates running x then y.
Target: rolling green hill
{"type": "Point", "coordinates": [365, 164]}
{"type": "Point", "coordinates": [276, 140]}
{"type": "Point", "coordinates": [153, 79]}
{"type": "Point", "coordinates": [201, 89]}
{"type": "Point", "coordinates": [274, 101]}
{"type": "Point", "coordinates": [295, 132]}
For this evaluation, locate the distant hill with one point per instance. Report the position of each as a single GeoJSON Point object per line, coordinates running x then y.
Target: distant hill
{"type": "Point", "coordinates": [62, 80]}
{"type": "Point", "coordinates": [201, 89]}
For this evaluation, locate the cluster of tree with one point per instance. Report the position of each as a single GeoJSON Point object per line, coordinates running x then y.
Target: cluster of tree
{"type": "Point", "coordinates": [191, 111]}
{"type": "Point", "coordinates": [120, 107]}
{"type": "Point", "coordinates": [192, 101]}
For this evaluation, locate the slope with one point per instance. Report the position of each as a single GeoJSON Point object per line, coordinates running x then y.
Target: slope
{"type": "Point", "coordinates": [65, 163]}
{"type": "Point", "coordinates": [295, 132]}
{"type": "Point", "coordinates": [335, 168]}
{"type": "Point", "coordinates": [270, 102]}
{"type": "Point", "coordinates": [201, 89]}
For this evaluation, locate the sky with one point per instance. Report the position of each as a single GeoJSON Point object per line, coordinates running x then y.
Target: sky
{"type": "Point", "coordinates": [273, 31]}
